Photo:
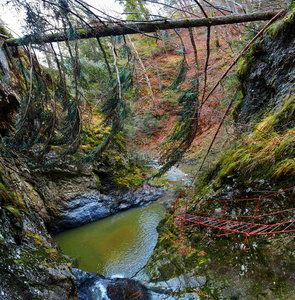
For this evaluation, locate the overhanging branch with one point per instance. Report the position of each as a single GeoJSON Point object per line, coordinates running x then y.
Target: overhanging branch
{"type": "Point", "coordinates": [113, 29]}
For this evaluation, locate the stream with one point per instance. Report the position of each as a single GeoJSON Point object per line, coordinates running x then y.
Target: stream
{"type": "Point", "coordinates": [115, 249]}
{"type": "Point", "coordinates": [116, 246]}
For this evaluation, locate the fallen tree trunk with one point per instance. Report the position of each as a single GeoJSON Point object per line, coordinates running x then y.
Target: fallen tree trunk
{"type": "Point", "coordinates": [122, 28]}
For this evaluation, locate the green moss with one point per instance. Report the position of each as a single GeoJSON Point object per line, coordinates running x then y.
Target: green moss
{"type": "Point", "coordinates": [6, 195]}
{"type": "Point", "coordinates": [98, 183]}
{"type": "Point", "coordinates": [246, 62]}
{"type": "Point", "coordinates": [116, 161]}
{"type": "Point", "coordinates": [261, 158]}
{"type": "Point", "coordinates": [43, 256]}
{"type": "Point", "coordinates": [12, 200]}
{"type": "Point", "coordinates": [274, 29]}
{"type": "Point", "coordinates": [13, 210]}
{"type": "Point", "coordinates": [131, 176]}
{"type": "Point", "coordinates": [268, 151]}
{"type": "Point", "coordinates": [286, 167]}
{"type": "Point", "coordinates": [81, 32]}
{"type": "Point", "coordinates": [277, 27]}
{"type": "Point", "coordinates": [237, 106]}
{"type": "Point", "coordinates": [159, 182]}
{"type": "Point", "coordinates": [4, 31]}
{"type": "Point", "coordinates": [244, 66]}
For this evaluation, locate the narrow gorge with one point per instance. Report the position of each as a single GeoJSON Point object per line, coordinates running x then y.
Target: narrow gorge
{"type": "Point", "coordinates": [112, 139]}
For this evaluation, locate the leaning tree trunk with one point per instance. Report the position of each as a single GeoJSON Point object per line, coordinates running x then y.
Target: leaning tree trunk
{"type": "Point", "coordinates": [122, 28]}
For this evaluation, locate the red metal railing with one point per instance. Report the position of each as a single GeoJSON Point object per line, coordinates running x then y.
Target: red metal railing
{"type": "Point", "coordinates": [231, 223]}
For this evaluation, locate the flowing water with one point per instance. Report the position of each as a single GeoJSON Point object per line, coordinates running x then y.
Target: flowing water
{"type": "Point", "coordinates": [119, 245]}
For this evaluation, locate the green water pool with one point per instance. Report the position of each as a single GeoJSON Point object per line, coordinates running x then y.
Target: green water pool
{"type": "Point", "coordinates": [119, 245]}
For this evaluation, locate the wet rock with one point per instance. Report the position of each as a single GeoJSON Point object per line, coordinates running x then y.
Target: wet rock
{"type": "Point", "coordinates": [186, 296]}
{"type": "Point", "coordinates": [92, 286]}
{"type": "Point", "coordinates": [141, 196]}
{"type": "Point", "coordinates": [27, 268]}
{"type": "Point", "coordinates": [123, 206]}
{"type": "Point", "coordinates": [94, 206]}
{"type": "Point", "coordinates": [178, 283]}
{"type": "Point", "coordinates": [89, 285]}
{"type": "Point", "coordinates": [4, 66]}
{"type": "Point", "coordinates": [126, 289]}
{"type": "Point", "coordinates": [82, 210]}
{"type": "Point", "coordinates": [175, 174]}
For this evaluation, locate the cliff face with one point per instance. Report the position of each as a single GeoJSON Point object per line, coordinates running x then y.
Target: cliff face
{"type": "Point", "coordinates": [264, 116]}
{"type": "Point", "coordinates": [8, 99]}
{"type": "Point", "coordinates": [31, 266]}
{"type": "Point", "coordinates": [267, 74]}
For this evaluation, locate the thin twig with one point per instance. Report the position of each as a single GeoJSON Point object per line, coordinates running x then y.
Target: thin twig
{"type": "Point", "coordinates": [105, 57]}
{"type": "Point", "coordinates": [116, 68]}
{"type": "Point", "coordinates": [195, 52]}
{"type": "Point", "coordinates": [30, 91]}
{"type": "Point", "coordinates": [202, 9]}
{"type": "Point", "coordinates": [207, 52]}
{"type": "Point", "coordinates": [216, 133]}
{"type": "Point", "coordinates": [207, 62]}
{"type": "Point", "coordinates": [62, 63]}
{"type": "Point", "coordinates": [145, 74]}
{"type": "Point", "coordinates": [216, 7]}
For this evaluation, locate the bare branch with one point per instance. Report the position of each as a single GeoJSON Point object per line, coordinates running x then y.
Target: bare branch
{"type": "Point", "coordinates": [216, 133]}
{"type": "Point", "coordinates": [145, 75]}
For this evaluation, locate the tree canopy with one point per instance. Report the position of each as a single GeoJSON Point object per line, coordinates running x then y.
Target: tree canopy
{"type": "Point", "coordinates": [77, 77]}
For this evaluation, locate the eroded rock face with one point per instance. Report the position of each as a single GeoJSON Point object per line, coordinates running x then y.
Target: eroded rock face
{"type": "Point", "coordinates": [8, 99]}
{"type": "Point", "coordinates": [81, 210]}
{"type": "Point", "coordinates": [93, 206]}
{"type": "Point", "coordinates": [31, 266]}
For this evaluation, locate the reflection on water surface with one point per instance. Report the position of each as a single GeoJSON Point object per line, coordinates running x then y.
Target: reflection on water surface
{"type": "Point", "coordinates": [118, 245]}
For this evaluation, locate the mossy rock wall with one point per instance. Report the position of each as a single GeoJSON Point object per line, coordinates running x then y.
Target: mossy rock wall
{"type": "Point", "coordinates": [267, 73]}
{"type": "Point", "coordinates": [265, 115]}
{"type": "Point", "coordinates": [31, 266]}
